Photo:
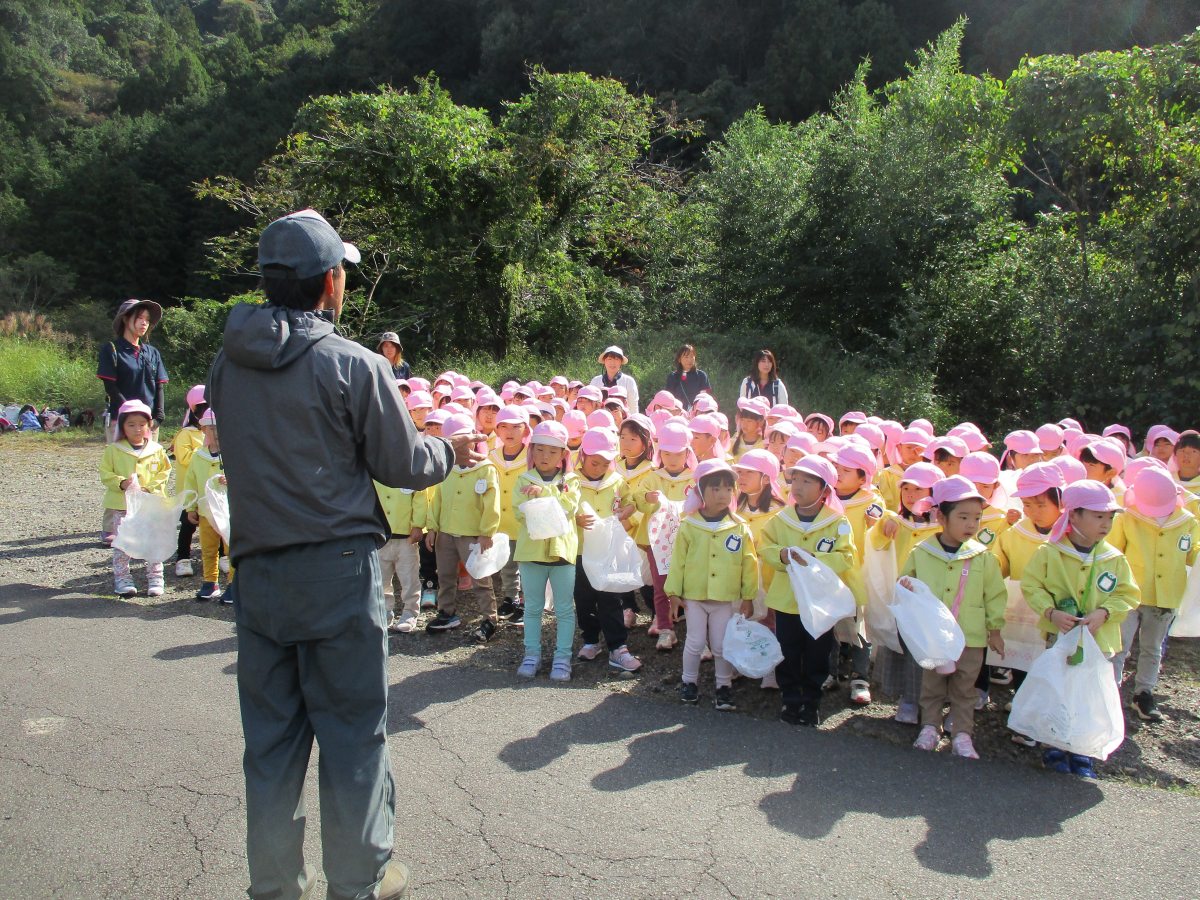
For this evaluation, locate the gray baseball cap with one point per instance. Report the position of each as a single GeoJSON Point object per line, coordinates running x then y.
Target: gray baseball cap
{"type": "Point", "coordinates": [305, 244]}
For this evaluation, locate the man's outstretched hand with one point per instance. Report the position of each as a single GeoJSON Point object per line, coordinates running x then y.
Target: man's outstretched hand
{"type": "Point", "coordinates": [465, 452]}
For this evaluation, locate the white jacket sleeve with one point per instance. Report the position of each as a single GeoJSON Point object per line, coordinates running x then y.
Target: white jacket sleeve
{"type": "Point", "coordinates": [631, 388]}
{"type": "Point", "coordinates": [744, 391]}
{"type": "Point", "coordinates": [783, 395]}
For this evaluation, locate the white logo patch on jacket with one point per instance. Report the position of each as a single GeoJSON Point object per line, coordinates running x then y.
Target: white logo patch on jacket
{"type": "Point", "coordinates": [733, 543]}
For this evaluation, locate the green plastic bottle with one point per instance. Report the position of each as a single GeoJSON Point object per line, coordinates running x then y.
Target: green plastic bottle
{"type": "Point", "coordinates": [1071, 608]}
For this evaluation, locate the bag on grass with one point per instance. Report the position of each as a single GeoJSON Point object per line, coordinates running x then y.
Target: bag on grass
{"type": "Point", "coordinates": [930, 631]}
{"type": "Point", "coordinates": [751, 648]}
{"type": "Point", "coordinates": [823, 598]}
{"type": "Point", "coordinates": [217, 499]}
{"type": "Point", "coordinates": [544, 518]}
{"type": "Point", "coordinates": [481, 564]}
{"type": "Point", "coordinates": [880, 574]}
{"type": "Point", "coordinates": [1076, 708]}
{"type": "Point", "coordinates": [1187, 620]}
{"type": "Point", "coordinates": [149, 529]}
{"type": "Point", "coordinates": [661, 530]}
{"type": "Point", "coordinates": [611, 559]}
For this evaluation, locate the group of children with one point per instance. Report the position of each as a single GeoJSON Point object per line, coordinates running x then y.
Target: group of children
{"type": "Point", "coordinates": [1057, 528]}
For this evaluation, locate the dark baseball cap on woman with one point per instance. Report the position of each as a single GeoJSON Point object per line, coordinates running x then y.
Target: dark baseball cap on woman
{"type": "Point", "coordinates": [302, 245]}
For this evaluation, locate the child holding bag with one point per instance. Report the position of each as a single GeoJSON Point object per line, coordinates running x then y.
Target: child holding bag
{"type": "Point", "coordinates": [548, 560]}
{"type": "Point", "coordinates": [814, 522]}
{"type": "Point", "coordinates": [1077, 577]}
{"type": "Point", "coordinates": [510, 459]}
{"type": "Point", "coordinates": [204, 464]}
{"type": "Point", "coordinates": [135, 458]}
{"type": "Point", "coordinates": [713, 567]}
{"type": "Point", "coordinates": [964, 576]}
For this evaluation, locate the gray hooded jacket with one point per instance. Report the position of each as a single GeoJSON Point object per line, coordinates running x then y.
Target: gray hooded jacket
{"type": "Point", "coordinates": [307, 418]}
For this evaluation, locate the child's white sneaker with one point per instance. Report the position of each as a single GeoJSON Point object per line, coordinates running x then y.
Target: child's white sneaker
{"type": "Point", "coordinates": [529, 666]}
{"type": "Point", "coordinates": [183, 569]}
{"type": "Point", "coordinates": [928, 739]}
{"type": "Point", "coordinates": [860, 692]}
{"type": "Point", "coordinates": [623, 660]}
{"type": "Point", "coordinates": [560, 669]}
{"type": "Point", "coordinates": [588, 652]}
{"type": "Point", "coordinates": [962, 745]}
{"type": "Point", "coordinates": [155, 587]}
{"type": "Point", "coordinates": [124, 588]}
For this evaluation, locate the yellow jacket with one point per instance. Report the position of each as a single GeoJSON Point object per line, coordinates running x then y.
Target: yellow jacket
{"type": "Point", "coordinates": [674, 487]}
{"type": "Point", "coordinates": [509, 471]}
{"type": "Point", "coordinates": [187, 441]}
{"type": "Point", "coordinates": [908, 535]}
{"type": "Point", "coordinates": [203, 467]}
{"type": "Point", "coordinates": [467, 503]}
{"type": "Point", "coordinates": [564, 489]}
{"type": "Point", "coordinates": [1100, 579]}
{"type": "Point", "coordinates": [1158, 554]}
{"type": "Point", "coordinates": [713, 561]}
{"type": "Point", "coordinates": [633, 478]}
{"type": "Point", "coordinates": [857, 507]}
{"type": "Point", "coordinates": [829, 537]}
{"type": "Point", "coordinates": [744, 448]}
{"type": "Point", "coordinates": [993, 524]}
{"type": "Point", "coordinates": [888, 485]}
{"type": "Point", "coordinates": [984, 596]}
{"type": "Point", "coordinates": [405, 509]}
{"type": "Point", "coordinates": [121, 461]}
{"type": "Point", "coordinates": [1014, 548]}
{"type": "Point", "coordinates": [1192, 486]}
{"type": "Point", "coordinates": [604, 496]}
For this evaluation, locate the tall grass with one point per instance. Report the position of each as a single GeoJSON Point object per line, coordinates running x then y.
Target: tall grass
{"type": "Point", "coordinates": [46, 372]}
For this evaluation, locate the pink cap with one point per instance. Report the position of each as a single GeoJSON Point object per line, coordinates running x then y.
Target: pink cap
{"type": "Point", "coordinates": [853, 456]}
{"type": "Point", "coordinates": [195, 395]}
{"type": "Point", "coordinates": [1110, 452]}
{"type": "Point", "coordinates": [765, 463]}
{"type": "Point", "coordinates": [551, 434]}
{"type": "Point", "coordinates": [872, 434]}
{"type": "Point", "coordinates": [575, 422]}
{"type": "Point", "coordinates": [1154, 493]}
{"type": "Point", "coordinates": [914, 436]}
{"type": "Point", "coordinates": [590, 392]}
{"type": "Point", "coordinates": [1073, 470]}
{"type": "Point", "coordinates": [785, 427]}
{"type": "Point", "coordinates": [618, 393]}
{"type": "Point", "coordinates": [1115, 430]}
{"type": "Point", "coordinates": [1050, 437]}
{"type": "Point", "coordinates": [461, 380]}
{"type": "Point", "coordinates": [782, 411]}
{"type": "Point", "coordinates": [705, 424]}
{"type": "Point", "coordinates": [457, 424]}
{"type": "Point", "coordinates": [659, 418]}
{"type": "Point", "coordinates": [437, 417]}
{"type": "Point", "coordinates": [487, 397]}
{"type": "Point", "coordinates": [134, 406]}
{"type": "Point", "coordinates": [559, 403]}
{"type": "Point", "coordinates": [441, 389]}
{"type": "Point", "coordinates": [574, 384]}
{"type": "Point", "coordinates": [513, 415]}
{"type": "Point", "coordinates": [662, 400]}
{"type": "Point", "coordinates": [456, 409]}
{"type": "Point", "coordinates": [923, 425]}
{"type": "Point", "coordinates": [419, 400]}
{"type": "Point", "coordinates": [980, 468]}
{"type": "Point", "coordinates": [418, 384]}
{"type": "Point", "coordinates": [704, 403]}
{"type": "Point", "coordinates": [447, 376]}
{"type": "Point", "coordinates": [693, 500]}
{"type": "Point", "coordinates": [823, 469]}
{"type": "Point", "coordinates": [820, 417]}
{"type": "Point", "coordinates": [1075, 441]}
{"type": "Point", "coordinates": [923, 475]}
{"type": "Point", "coordinates": [1064, 424]}
{"type": "Point", "coordinates": [1039, 478]}
{"type": "Point", "coordinates": [953, 489]}
{"type": "Point", "coordinates": [1136, 466]}
{"type": "Point", "coordinates": [209, 418]}
{"type": "Point", "coordinates": [758, 406]}
{"type": "Point", "coordinates": [1084, 494]}
{"type": "Point", "coordinates": [854, 417]}
{"type": "Point", "coordinates": [476, 384]}
{"type": "Point", "coordinates": [1022, 442]}
{"type": "Point", "coordinates": [643, 422]}
{"type": "Point", "coordinates": [1160, 431]}
{"type": "Point", "coordinates": [969, 434]}
{"type": "Point", "coordinates": [723, 419]}
{"type": "Point", "coordinates": [804, 442]}
{"type": "Point", "coordinates": [601, 418]}
{"type": "Point", "coordinates": [545, 392]}
{"type": "Point", "coordinates": [952, 445]}
{"type": "Point", "coordinates": [600, 442]}
{"type": "Point", "coordinates": [560, 380]}
{"type": "Point", "coordinates": [674, 437]}
{"type": "Point", "coordinates": [508, 393]}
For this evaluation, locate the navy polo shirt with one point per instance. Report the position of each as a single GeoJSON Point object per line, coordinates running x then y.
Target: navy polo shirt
{"type": "Point", "coordinates": [137, 371]}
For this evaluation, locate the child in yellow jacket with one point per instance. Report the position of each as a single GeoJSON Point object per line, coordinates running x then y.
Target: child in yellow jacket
{"type": "Point", "coordinates": [814, 522]}
{"type": "Point", "coordinates": [133, 459]}
{"type": "Point", "coordinates": [205, 465]}
{"type": "Point", "coordinates": [548, 560]}
{"type": "Point", "coordinates": [187, 441]}
{"type": "Point", "coordinates": [1160, 539]}
{"type": "Point", "coordinates": [963, 575]}
{"type": "Point", "coordinates": [636, 462]}
{"type": "Point", "coordinates": [1187, 468]}
{"type": "Point", "coordinates": [713, 567]}
{"type": "Point", "coordinates": [400, 558]}
{"type": "Point", "coordinates": [465, 511]}
{"type": "Point", "coordinates": [510, 457]}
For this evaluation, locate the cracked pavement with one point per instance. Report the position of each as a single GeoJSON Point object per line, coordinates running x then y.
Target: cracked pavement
{"type": "Point", "coordinates": [120, 751]}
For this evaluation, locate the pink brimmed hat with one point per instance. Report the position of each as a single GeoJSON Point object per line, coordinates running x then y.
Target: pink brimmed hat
{"type": "Point", "coordinates": [854, 417]}
{"type": "Point", "coordinates": [765, 463]}
{"type": "Point", "coordinates": [970, 434]}
{"type": "Point", "coordinates": [513, 415]}
{"type": "Point", "coordinates": [1022, 442]}
{"type": "Point", "coordinates": [827, 472]}
{"type": "Point", "coordinates": [1155, 494]}
{"type": "Point", "coordinates": [674, 438]}
{"type": "Point", "coordinates": [1110, 452]}
{"type": "Point", "coordinates": [952, 445]}
{"type": "Point", "coordinates": [663, 400]}
{"type": "Point", "coordinates": [601, 418]}
{"type": "Point", "coordinates": [1073, 470]}
{"type": "Point", "coordinates": [419, 400]}
{"type": "Point", "coordinates": [590, 392]}
{"type": "Point", "coordinates": [783, 411]}
{"type": "Point", "coordinates": [549, 434]}
{"type": "Point", "coordinates": [1160, 431]}
{"type": "Point", "coordinates": [757, 406]}
{"type": "Point", "coordinates": [872, 434]}
{"type": "Point", "coordinates": [852, 456]}
{"type": "Point", "coordinates": [1050, 437]}
{"type": "Point", "coordinates": [1039, 478]}
{"type": "Point", "coordinates": [437, 417]}
{"type": "Point", "coordinates": [575, 422]}
{"type": "Point", "coordinates": [954, 489]}
{"type": "Point", "coordinates": [1084, 494]}
{"type": "Point", "coordinates": [923, 475]}
{"type": "Point", "coordinates": [1136, 466]}
{"type": "Point", "coordinates": [804, 442]}
{"type": "Point", "coordinates": [457, 424]}
{"type": "Point", "coordinates": [983, 468]}
{"type": "Point", "coordinates": [820, 417]}
{"type": "Point", "coordinates": [600, 442]}
{"type": "Point", "coordinates": [704, 403]}
{"type": "Point", "coordinates": [693, 500]}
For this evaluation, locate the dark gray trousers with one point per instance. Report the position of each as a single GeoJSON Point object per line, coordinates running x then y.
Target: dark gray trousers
{"type": "Point", "coordinates": [312, 661]}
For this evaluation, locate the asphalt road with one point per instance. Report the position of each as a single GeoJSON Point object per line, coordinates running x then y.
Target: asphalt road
{"type": "Point", "coordinates": [121, 777]}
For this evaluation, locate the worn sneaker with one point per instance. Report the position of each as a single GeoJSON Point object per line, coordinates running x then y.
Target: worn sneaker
{"type": "Point", "coordinates": [225, 598]}
{"type": "Point", "coordinates": [962, 745]}
{"type": "Point", "coordinates": [624, 661]}
{"type": "Point", "coordinates": [124, 588]}
{"type": "Point", "coordinates": [505, 607]}
{"type": "Point", "coordinates": [1000, 675]}
{"type": "Point", "coordinates": [428, 597]}
{"type": "Point", "coordinates": [443, 621]}
{"type": "Point", "coordinates": [517, 616]}
{"type": "Point", "coordinates": [482, 633]}
{"type": "Point", "coordinates": [395, 882]}
{"type": "Point", "coordinates": [906, 713]}
{"type": "Point", "coordinates": [981, 701]}
{"type": "Point", "coordinates": [183, 568]}
{"type": "Point", "coordinates": [689, 693]}
{"type": "Point", "coordinates": [928, 739]}
{"type": "Point", "coordinates": [560, 669]}
{"type": "Point", "coordinates": [529, 666]}
{"type": "Point", "coordinates": [724, 699]}
{"type": "Point", "coordinates": [666, 640]}
{"type": "Point", "coordinates": [860, 692]}
{"type": "Point", "coordinates": [405, 623]}
{"type": "Point", "coordinates": [155, 588]}
{"type": "Point", "coordinates": [208, 591]}
{"type": "Point", "coordinates": [1082, 766]}
{"type": "Point", "coordinates": [1143, 704]}
{"type": "Point", "coordinates": [588, 652]}
{"type": "Point", "coordinates": [223, 565]}
{"type": "Point", "coordinates": [1056, 760]}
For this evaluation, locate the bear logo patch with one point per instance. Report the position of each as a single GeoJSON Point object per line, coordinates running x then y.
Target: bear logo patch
{"type": "Point", "coordinates": [1185, 543]}
{"type": "Point", "coordinates": [1107, 582]}
{"type": "Point", "coordinates": [825, 545]}
{"type": "Point", "coordinates": [986, 536]}
{"type": "Point", "coordinates": [875, 511]}
{"type": "Point", "coordinates": [733, 543]}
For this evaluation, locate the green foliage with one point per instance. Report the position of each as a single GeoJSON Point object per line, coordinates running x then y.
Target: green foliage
{"type": "Point", "coordinates": [190, 335]}
{"type": "Point", "coordinates": [45, 372]}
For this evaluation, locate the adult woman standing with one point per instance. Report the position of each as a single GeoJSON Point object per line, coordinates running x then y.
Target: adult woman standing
{"type": "Point", "coordinates": [392, 350]}
{"type": "Point", "coordinates": [764, 380]}
{"type": "Point", "coordinates": [130, 368]}
{"type": "Point", "coordinates": [686, 381]}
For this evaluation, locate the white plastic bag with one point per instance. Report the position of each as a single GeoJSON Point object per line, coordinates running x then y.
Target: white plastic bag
{"type": "Point", "coordinates": [1023, 639]}
{"type": "Point", "coordinates": [661, 530]}
{"type": "Point", "coordinates": [1187, 620]}
{"type": "Point", "coordinates": [821, 595]}
{"type": "Point", "coordinates": [544, 518]}
{"type": "Point", "coordinates": [217, 499]}
{"type": "Point", "coordinates": [930, 631]}
{"type": "Point", "coordinates": [611, 559]}
{"type": "Point", "coordinates": [149, 529]}
{"type": "Point", "coordinates": [751, 648]}
{"type": "Point", "coordinates": [490, 561]}
{"type": "Point", "coordinates": [1074, 708]}
{"type": "Point", "coordinates": [880, 574]}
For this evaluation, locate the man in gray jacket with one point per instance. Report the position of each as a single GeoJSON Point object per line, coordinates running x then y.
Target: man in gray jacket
{"type": "Point", "coordinates": [307, 419]}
